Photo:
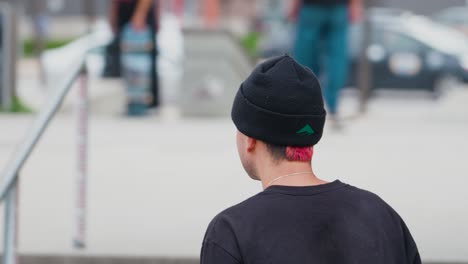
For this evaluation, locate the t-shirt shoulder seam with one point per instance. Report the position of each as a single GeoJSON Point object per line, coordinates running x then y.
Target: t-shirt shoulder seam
{"type": "Point", "coordinates": [222, 248]}
{"type": "Point", "coordinates": [240, 204]}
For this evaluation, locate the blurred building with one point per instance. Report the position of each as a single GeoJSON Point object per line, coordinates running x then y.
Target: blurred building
{"type": "Point", "coordinates": [228, 7]}
{"type": "Point", "coordinates": [239, 16]}
{"type": "Point", "coordinates": [238, 7]}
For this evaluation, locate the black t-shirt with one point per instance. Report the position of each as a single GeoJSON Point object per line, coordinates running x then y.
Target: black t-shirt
{"type": "Point", "coordinates": [330, 223]}
{"type": "Point", "coordinates": [325, 2]}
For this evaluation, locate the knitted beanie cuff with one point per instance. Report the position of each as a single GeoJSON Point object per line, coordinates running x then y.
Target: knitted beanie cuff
{"type": "Point", "coordinates": [276, 128]}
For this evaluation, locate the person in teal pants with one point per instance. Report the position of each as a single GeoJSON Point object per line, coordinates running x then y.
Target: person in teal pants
{"type": "Point", "coordinates": [321, 44]}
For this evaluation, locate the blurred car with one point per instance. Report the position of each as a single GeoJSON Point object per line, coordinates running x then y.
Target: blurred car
{"type": "Point", "coordinates": [455, 17]}
{"type": "Point", "coordinates": [407, 51]}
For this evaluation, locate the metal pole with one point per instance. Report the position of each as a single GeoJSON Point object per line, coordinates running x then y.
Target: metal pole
{"type": "Point", "coordinates": [364, 71]}
{"type": "Point", "coordinates": [8, 46]}
{"type": "Point", "coordinates": [79, 237]}
{"type": "Point", "coordinates": [10, 243]}
{"type": "Point", "coordinates": [39, 18]}
{"type": "Point", "coordinates": [14, 40]}
{"type": "Point", "coordinates": [89, 11]}
{"type": "Point", "coordinates": [40, 22]}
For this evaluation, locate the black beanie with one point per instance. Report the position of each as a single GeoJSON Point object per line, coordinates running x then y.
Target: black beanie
{"type": "Point", "coordinates": [280, 103]}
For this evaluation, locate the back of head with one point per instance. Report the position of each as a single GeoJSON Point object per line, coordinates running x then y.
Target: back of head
{"type": "Point", "coordinates": [281, 104]}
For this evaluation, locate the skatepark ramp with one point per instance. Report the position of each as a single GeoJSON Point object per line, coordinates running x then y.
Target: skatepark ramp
{"type": "Point", "coordinates": [214, 67]}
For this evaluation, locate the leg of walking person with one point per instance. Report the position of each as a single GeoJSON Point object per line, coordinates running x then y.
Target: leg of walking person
{"type": "Point", "coordinates": [336, 56]}
{"type": "Point", "coordinates": [124, 14]}
{"type": "Point", "coordinates": [308, 37]}
{"type": "Point", "coordinates": [154, 89]}
{"type": "Point", "coordinates": [151, 22]}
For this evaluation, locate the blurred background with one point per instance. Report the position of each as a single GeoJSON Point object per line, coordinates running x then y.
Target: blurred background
{"type": "Point", "coordinates": [116, 144]}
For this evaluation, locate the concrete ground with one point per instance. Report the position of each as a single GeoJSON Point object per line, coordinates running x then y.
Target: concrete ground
{"type": "Point", "coordinates": [156, 182]}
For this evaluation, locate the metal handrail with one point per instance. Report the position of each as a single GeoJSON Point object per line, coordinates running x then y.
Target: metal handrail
{"type": "Point", "coordinates": [10, 176]}
{"type": "Point", "coordinates": [37, 129]}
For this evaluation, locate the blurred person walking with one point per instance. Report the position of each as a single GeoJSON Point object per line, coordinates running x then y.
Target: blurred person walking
{"type": "Point", "coordinates": [321, 43]}
{"type": "Point", "coordinates": [139, 14]}
{"type": "Point", "coordinates": [298, 218]}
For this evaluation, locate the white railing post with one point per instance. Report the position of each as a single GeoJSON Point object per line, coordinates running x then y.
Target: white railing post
{"type": "Point", "coordinates": [10, 243]}
{"type": "Point", "coordinates": [79, 235]}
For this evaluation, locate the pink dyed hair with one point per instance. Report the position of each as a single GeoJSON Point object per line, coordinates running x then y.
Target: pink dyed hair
{"type": "Point", "coordinates": [299, 153]}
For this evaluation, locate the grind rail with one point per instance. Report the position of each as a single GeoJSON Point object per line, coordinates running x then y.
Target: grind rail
{"type": "Point", "coordinates": [9, 180]}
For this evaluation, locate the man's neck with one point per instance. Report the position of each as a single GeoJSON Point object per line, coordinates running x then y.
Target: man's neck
{"type": "Point", "coordinates": [289, 174]}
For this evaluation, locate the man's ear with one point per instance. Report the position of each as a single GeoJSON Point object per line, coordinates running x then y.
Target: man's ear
{"type": "Point", "coordinates": [251, 144]}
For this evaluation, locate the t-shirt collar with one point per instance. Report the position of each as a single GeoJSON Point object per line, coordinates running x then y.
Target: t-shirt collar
{"type": "Point", "coordinates": [305, 190]}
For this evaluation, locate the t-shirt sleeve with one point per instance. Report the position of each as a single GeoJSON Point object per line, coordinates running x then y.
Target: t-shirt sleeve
{"type": "Point", "coordinates": [213, 253]}
{"type": "Point", "coordinates": [409, 245]}
{"type": "Point", "coordinates": [412, 252]}
{"type": "Point", "coordinates": [220, 245]}
{"type": "Point", "coordinates": [417, 259]}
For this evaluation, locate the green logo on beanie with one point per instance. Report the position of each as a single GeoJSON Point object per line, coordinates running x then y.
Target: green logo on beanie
{"type": "Point", "coordinates": [306, 131]}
